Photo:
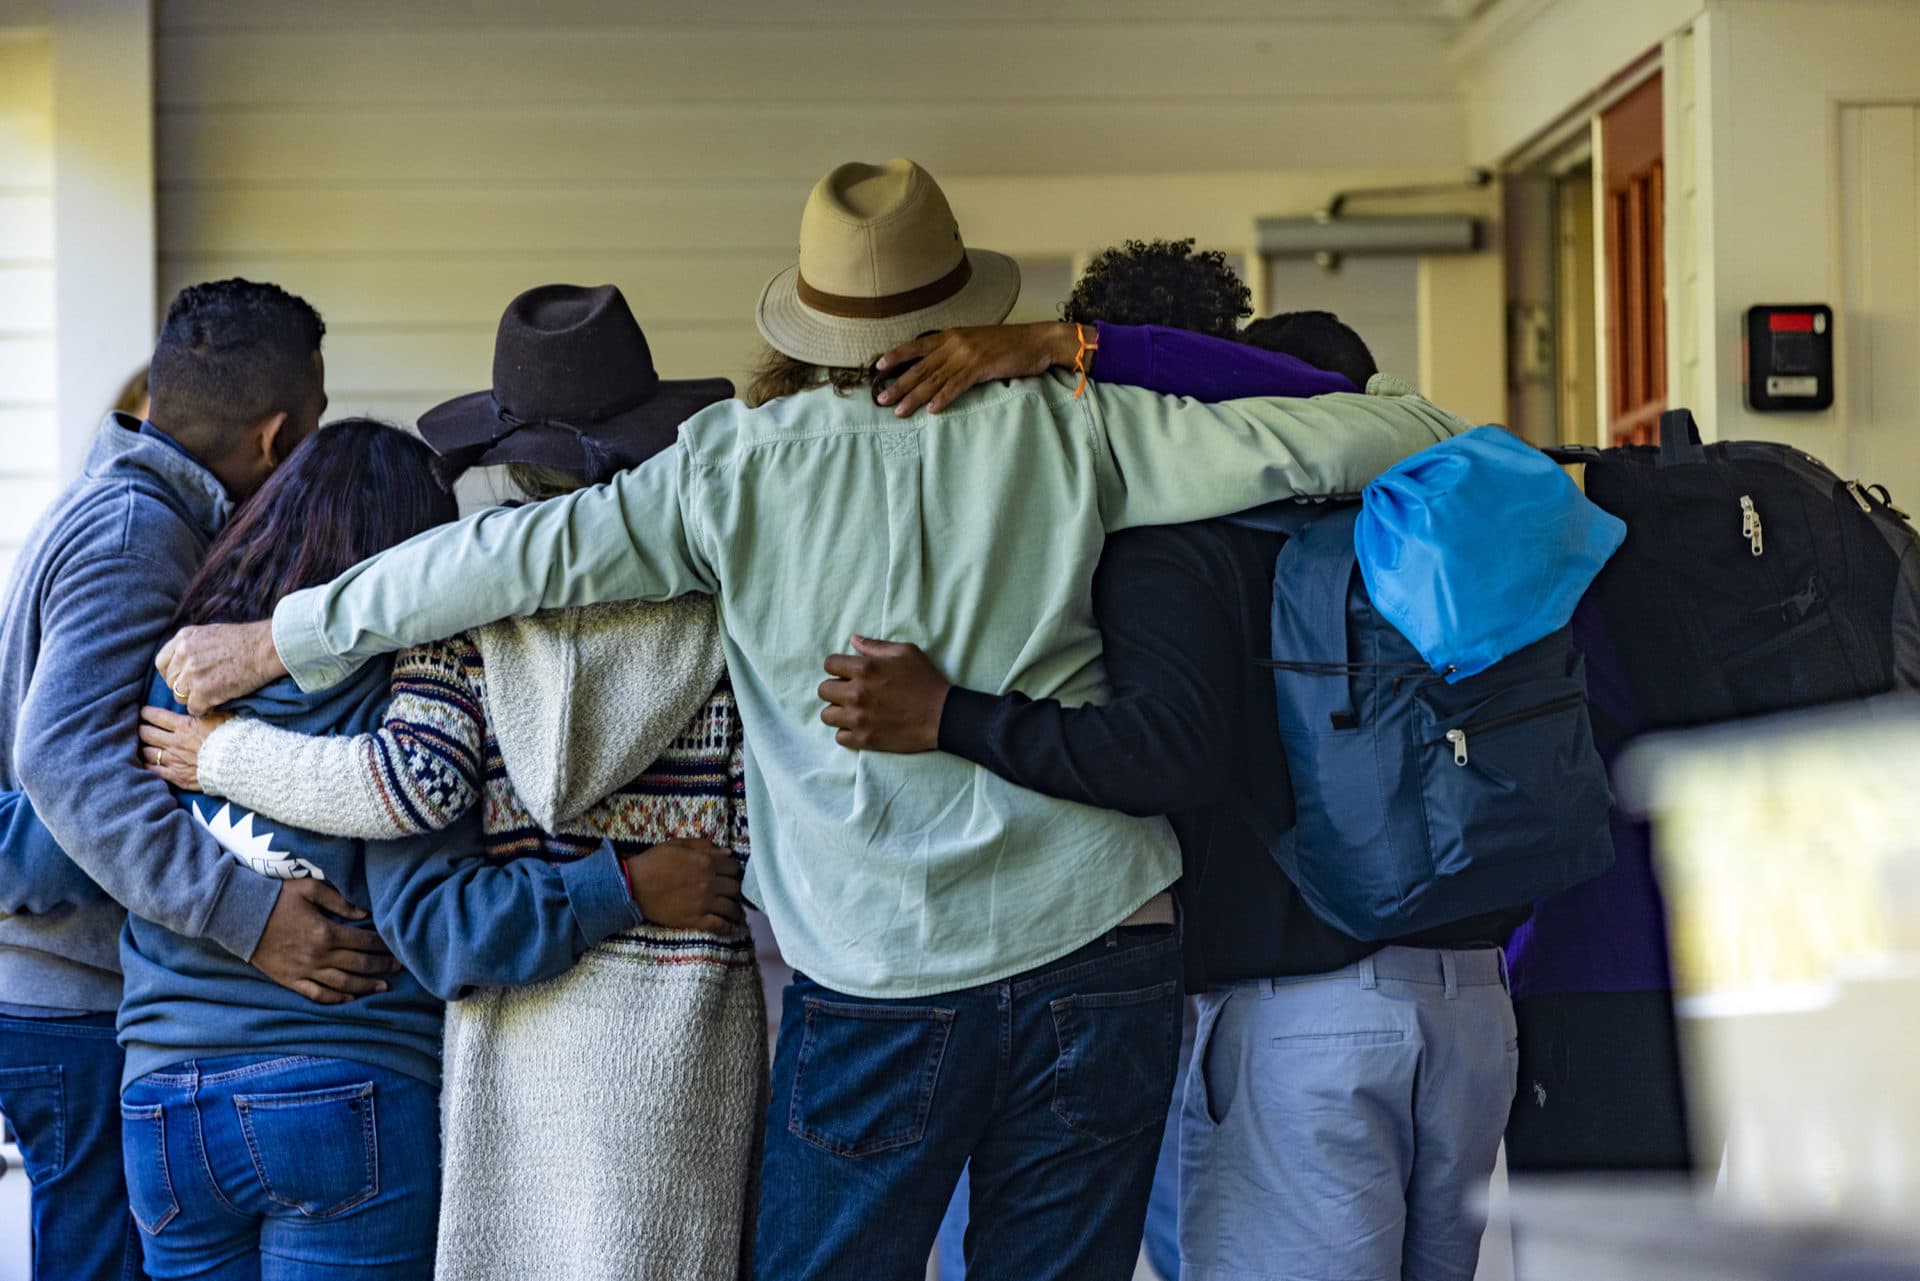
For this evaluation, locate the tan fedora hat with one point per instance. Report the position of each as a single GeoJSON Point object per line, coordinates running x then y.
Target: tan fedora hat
{"type": "Point", "coordinates": [881, 261]}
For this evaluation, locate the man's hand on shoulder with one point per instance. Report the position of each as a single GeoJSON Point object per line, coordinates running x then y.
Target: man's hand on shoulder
{"type": "Point", "coordinates": [944, 365]}
{"type": "Point", "coordinates": [305, 950]}
{"type": "Point", "coordinates": [208, 666]}
{"type": "Point", "coordinates": [884, 697]}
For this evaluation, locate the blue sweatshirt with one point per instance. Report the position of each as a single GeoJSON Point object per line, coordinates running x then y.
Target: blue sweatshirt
{"type": "Point", "coordinates": [456, 921]}
{"type": "Point", "coordinates": [92, 597]}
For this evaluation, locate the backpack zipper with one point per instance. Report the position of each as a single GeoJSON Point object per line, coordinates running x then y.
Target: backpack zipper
{"type": "Point", "coordinates": [1859, 499]}
{"type": "Point", "coordinates": [1457, 738]}
{"type": "Point", "coordinates": [1750, 524]}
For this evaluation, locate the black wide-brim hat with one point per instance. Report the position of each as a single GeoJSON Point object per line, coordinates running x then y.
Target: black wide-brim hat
{"type": "Point", "coordinates": [574, 388]}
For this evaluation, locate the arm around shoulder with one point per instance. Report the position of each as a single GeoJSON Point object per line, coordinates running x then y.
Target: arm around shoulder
{"type": "Point", "coordinates": [418, 772]}
{"type": "Point", "coordinates": [36, 876]}
{"type": "Point", "coordinates": [459, 922]}
{"type": "Point", "coordinates": [1164, 461]}
{"type": "Point", "coordinates": [626, 540]}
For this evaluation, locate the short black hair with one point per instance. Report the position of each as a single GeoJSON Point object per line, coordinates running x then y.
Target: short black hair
{"type": "Point", "coordinates": [231, 353]}
{"type": "Point", "coordinates": [1318, 337]}
{"type": "Point", "coordinates": [1161, 282]}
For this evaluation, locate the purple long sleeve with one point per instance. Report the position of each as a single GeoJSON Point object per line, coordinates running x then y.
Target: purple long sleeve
{"type": "Point", "coordinates": [1174, 362]}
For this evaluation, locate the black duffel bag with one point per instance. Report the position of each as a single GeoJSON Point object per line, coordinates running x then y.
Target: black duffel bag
{"type": "Point", "coordinates": [1753, 580]}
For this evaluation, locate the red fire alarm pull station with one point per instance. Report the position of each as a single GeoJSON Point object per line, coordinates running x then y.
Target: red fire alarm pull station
{"type": "Point", "coordinates": [1790, 358]}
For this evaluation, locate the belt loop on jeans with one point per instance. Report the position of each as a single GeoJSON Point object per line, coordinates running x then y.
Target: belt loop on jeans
{"type": "Point", "coordinates": [1368, 978]}
{"type": "Point", "coordinates": [1450, 972]}
{"type": "Point", "coordinates": [1506, 978]}
{"type": "Point", "coordinates": [1266, 989]}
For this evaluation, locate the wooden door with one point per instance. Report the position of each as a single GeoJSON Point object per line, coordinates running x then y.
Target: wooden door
{"type": "Point", "coordinates": [1633, 209]}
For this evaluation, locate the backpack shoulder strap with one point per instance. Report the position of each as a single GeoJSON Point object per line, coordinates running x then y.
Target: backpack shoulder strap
{"type": "Point", "coordinates": [1290, 516]}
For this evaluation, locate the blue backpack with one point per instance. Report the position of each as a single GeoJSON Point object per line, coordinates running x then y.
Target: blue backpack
{"type": "Point", "coordinates": [1457, 776]}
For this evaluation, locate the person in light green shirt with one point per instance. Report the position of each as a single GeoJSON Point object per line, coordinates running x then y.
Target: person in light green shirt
{"type": "Point", "coordinates": [903, 886]}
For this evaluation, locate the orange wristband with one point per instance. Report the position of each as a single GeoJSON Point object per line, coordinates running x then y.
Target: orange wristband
{"type": "Point", "coordinates": [1080, 365]}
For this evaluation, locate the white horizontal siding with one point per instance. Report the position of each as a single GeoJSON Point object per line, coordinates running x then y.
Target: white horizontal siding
{"type": "Point", "coordinates": [409, 167]}
{"type": "Point", "coordinates": [1172, 60]}
{"type": "Point", "coordinates": [26, 124]}
{"type": "Point", "coordinates": [29, 441]}
{"type": "Point", "coordinates": [901, 19]}
{"type": "Point", "coordinates": [559, 149]}
{"type": "Point", "coordinates": [29, 445]}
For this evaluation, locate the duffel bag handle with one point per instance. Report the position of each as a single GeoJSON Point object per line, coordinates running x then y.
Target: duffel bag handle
{"type": "Point", "coordinates": [1680, 438]}
{"type": "Point", "coordinates": [1679, 443]}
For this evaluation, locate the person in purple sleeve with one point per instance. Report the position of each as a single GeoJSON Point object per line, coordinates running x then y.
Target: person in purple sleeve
{"type": "Point", "coordinates": [1145, 301]}
{"type": "Point", "coordinates": [1343, 1096]}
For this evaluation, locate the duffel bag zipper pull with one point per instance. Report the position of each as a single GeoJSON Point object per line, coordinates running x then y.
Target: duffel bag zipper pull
{"type": "Point", "coordinates": [1750, 524]}
{"type": "Point", "coordinates": [1859, 498]}
{"type": "Point", "coordinates": [1458, 737]}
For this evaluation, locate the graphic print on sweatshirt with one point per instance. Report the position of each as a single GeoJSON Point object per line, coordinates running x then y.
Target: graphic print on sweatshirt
{"type": "Point", "coordinates": [255, 849]}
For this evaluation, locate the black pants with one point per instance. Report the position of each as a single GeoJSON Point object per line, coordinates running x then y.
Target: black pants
{"type": "Point", "coordinates": [1599, 1085]}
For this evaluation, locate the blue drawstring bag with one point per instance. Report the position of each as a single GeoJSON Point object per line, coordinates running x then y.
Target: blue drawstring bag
{"type": "Point", "coordinates": [1478, 547]}
{"type": "Point", "coordinates": [1431, 702]}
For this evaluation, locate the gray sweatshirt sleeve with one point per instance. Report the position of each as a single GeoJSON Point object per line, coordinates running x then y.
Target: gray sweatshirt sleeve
{"type": "Point", "coordinates": [77, 758]}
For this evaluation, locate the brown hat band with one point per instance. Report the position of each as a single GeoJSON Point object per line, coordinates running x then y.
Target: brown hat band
{"type": "Point", "coordinates": [891, 305]}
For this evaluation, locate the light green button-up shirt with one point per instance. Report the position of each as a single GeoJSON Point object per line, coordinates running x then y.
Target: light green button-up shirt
{"type": "Point", "coordinates": [974, 534]}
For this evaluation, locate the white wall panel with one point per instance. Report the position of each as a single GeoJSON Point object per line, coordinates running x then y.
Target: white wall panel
{"type": "Point", "coordinates": [901, 18]}
{"type": "Point", "coordinates": [1792, 192]}
{"type": "Point", "coordinates": [1879, 322]}
{"type": "Point", "coordinates": [29, 440]}
{"type": "Point", "coordinates": [408, 167]}
{"type": "Point", "coordinates": [28, 444]}
{"type": "Point", "coordinates": [1377, 297]}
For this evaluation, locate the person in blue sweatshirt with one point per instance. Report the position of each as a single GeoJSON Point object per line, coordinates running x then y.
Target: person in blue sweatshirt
{"type": "Point", "coordinates": [262, 1129]}
{"type": "Point", "coordinates": [237, 381]}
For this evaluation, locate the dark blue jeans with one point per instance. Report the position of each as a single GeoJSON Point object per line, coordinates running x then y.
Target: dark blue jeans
{"type": "Point", "coordinates": [1054, 1084]}
{"type": "Point", "coordinates": [1162, 1240]}
{"type": "Point", "coordinates": [60, 1087]}
{"type": "Point", "coordinates": [283, 1169]}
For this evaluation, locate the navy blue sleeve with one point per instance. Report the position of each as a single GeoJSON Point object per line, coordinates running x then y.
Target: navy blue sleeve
{"type": "Point", "coordinates": [36, 876]}
{"type": "Point", "coordinates": [1165, 740]}
{"type": "Point", "coordinates": [459, 922]}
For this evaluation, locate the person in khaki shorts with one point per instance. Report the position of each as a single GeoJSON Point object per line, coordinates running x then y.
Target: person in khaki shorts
{"type": "Point", "coordinates": [983, 972]}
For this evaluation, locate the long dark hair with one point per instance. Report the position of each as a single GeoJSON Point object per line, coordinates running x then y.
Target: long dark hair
{"type": "Point", "coordinates": [353, 488]}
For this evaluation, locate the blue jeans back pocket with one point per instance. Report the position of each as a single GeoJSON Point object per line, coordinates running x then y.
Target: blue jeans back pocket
{"type": "Point", "coordinates": [1118, 1055]}
{"type": "Point", "coordinates": [143, 1140]}
{"type": "Point", "coordinates": [35, 1100]}
{"type": "Point", "coordinates": [866, 1074]}
{"type": "Point", "coordinates": [315, 1151]}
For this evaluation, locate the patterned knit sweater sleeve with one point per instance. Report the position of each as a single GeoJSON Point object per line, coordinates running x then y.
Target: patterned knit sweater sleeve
{"type": "Point", "coordinates": [423, 768]}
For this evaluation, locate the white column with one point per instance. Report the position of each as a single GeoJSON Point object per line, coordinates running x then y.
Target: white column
{"type": "Point", "coordinates": [103, 208]}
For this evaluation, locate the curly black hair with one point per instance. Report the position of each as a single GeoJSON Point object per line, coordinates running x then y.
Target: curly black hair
{"type": "Point", "coordinates": [1161, 282]}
